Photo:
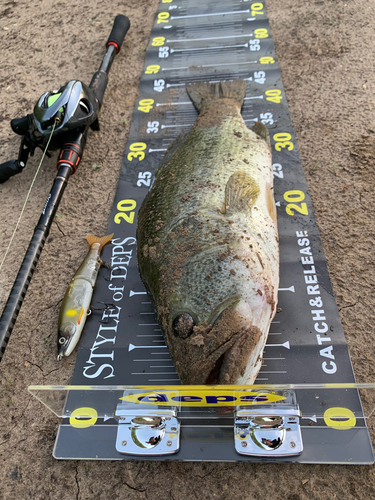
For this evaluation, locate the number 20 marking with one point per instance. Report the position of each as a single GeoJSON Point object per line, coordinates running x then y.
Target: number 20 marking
{"type": "Point", "coordinates": [297, 197]}
{"type": "Point", "coordinates": [125, 206]}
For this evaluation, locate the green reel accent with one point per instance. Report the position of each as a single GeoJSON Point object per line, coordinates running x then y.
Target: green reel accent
{"type": "Point", "coordinates": [52, 99]}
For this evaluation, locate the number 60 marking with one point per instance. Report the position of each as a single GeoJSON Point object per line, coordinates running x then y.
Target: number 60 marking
{"type": "Point", "coordinates": [297, 197]}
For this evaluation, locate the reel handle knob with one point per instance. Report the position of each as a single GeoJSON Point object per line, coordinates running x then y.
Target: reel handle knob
{"type": "Point", "coordinates": [119, 30]}
{"type": "Point", "coordinates": [8, 169]}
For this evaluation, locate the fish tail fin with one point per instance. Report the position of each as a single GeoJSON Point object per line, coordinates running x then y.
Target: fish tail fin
{"type": "Point", "coordinates": [202, 93]}
{"type": "Point", "coordinates": [96, 239]}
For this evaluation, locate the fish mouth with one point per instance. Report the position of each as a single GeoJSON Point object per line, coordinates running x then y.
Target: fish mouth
{"type": "Point", "coordinates": [239, 363]}
{"type": "Point", "coordinates": [214, 375]}
{"type": "Point", "coordinates": [220, 373]}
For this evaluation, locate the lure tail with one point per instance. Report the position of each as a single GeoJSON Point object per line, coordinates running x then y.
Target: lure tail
{"type": "Point", "coordinates": [96, 239]}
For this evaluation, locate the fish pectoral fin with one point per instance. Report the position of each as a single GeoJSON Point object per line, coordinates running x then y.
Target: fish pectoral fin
{"type": "Point", "coordinates": [260, 129]}
{"type": "Point", "coordinates": [271, 205]}
{"type": "Point", "coordinates": [241, 192]}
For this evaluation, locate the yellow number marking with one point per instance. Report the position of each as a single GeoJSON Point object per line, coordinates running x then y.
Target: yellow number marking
{"type": "Point", "coordinates": [125, 206]}
{"type": "Point", "coordinates": [137, 151]}
{"type": "Point", "coordinates": [145, 105]}
{"type": "Point", "coordinates": [295, 196]}
{"type": "Point", "coordinates": [261, 33]}
{"type": "Point", "coordinates": [158, 41]}
{"type": "Point", "coordinates": [274, 95]}
{"type": "Point", "coordinates": [75, 418]}
{"type": "Point", "coordinates": [283, 141]}
{"type": "Point", "coordinates": [340, 413]}
{"type": "Point", "coordinates": [163, 17]}
{"type": "Point", "coordinates": [266, 60]}
{"type": "Point", "coordinates": [154, 68]}
{"type": "Point", "coordinates": [257, 8]}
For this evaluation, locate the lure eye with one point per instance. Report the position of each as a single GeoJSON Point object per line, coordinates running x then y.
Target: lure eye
{"type": "Point", "coordinates": [183, 325]}
{"type": "Point", "coordinates": [62, 340]}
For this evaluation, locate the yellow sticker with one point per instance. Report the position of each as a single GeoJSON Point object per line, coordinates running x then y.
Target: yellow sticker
{"type": "Point", "coordinates": [204, 397]}
{"type": "Point", "coordinates": [71, 312]}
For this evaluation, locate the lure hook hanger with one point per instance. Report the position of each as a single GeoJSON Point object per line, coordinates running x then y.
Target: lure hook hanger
{"type": "Point", "coordinates": [69, 135]}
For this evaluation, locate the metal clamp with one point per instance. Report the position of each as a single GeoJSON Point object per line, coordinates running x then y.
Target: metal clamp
{"type": "Point", "coordinates": [269, 430]}
{"type": "Point", "coordinates": [147, 432]}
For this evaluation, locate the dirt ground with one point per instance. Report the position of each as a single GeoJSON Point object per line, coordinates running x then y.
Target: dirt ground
{"type": "Point", "coordinates": [326, 53]}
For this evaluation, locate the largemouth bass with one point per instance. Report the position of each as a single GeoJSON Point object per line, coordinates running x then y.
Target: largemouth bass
{"type": "Point", "coordinates": [77, 299]}
{"type": "Point", "coordinates": [208, 244]}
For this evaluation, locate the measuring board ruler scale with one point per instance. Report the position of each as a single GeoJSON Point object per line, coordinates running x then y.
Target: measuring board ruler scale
{"type": "Point", "coordinates": [193, 41]}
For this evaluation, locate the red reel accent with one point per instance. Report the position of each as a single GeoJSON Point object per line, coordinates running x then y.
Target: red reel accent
{"type": "Point", "coordinates": [70, 156]}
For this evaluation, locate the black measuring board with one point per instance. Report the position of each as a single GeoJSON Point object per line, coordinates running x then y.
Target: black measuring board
{"type": "Point", "coordinates": [209, 41]}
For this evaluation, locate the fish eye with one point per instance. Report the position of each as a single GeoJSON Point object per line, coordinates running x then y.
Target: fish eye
{"type": "Point", "coordinates": [62, 340]}
{"type": "Point", "coordinates": [183, 325]}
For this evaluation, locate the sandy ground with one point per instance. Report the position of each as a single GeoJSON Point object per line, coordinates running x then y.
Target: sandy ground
{"type": "Point", "coordinates": [326, 53]}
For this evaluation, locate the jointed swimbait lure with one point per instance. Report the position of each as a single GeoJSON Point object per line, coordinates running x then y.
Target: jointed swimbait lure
{"type": "Point", "coordinates": [77, 299]}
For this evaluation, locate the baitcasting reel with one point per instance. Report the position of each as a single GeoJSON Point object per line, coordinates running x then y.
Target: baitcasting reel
{"type": "Point", "coordinates": [71, 107]}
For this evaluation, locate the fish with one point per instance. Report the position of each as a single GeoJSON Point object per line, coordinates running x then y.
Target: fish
{"type": "Point", "coordinates": [75, 306]}
{"type": "Point", "coordinates": [207, 241]}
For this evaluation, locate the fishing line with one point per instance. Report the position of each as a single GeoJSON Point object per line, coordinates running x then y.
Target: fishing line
{"type": "Point", "coordinates": [28, 195]}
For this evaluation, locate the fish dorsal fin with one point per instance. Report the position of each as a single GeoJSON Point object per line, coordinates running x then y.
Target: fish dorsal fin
{"type": "Point", "coordinates": [96, 239]}
{"type": "Point", "coordinates": [260, 129]}
{"type": "Point", "coordinates": [203, 93]}
{"type": "Point", "coordinates": [241, 193]}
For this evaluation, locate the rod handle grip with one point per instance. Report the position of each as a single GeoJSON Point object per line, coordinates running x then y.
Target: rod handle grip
{"type": "Point", "coordinates": [98, 85]}
{"type": "Point", "coordinates": [119, 30]}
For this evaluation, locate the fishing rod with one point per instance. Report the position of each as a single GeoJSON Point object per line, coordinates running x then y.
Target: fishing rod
{"type": "Point", "coordinates": [61, 120]}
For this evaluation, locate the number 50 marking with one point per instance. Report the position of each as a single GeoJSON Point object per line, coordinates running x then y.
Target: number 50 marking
{"type": "Point", "coordinates": [296, 197]}
{"type": "Point", "coordinates": [125, 206]}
